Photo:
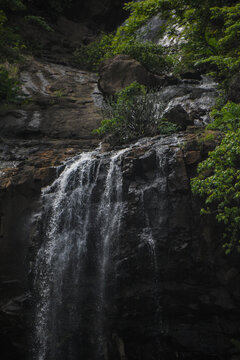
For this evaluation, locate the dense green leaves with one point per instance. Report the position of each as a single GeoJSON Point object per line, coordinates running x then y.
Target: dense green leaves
{"type": "Point", "coordinates": [151, 55]}
{"type": "Point", "coordinates": [227, 118]}
{"type": "Point", "coordinates": [132, 114]}
{"type": "Point", "coordinates": [219, 176]}
{"type": "Point", "coordinates": [10, 42]}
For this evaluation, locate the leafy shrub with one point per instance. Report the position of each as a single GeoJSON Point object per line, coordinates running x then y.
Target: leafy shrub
{"type": "Point", "coordinates": [10, 43]}
{"type": "Point", "coordinates": [150, 55]}
{"type": "Point", "coordinates": [218, 181]}
{"type": "Point", "coordinates": [165, 127]}
{"type": "Point", "coordinates": [134, 113]}
{"type": "Point", "coordinates": [89, 56]}
{"type": "Point", "coordinates": [227, 118]}
{"type": "Point", "coordinates": [39, 20]}
{"type": "Point", "coordinates": [8, 87]}
{"type": "Point", "coordinates": [124, 41]}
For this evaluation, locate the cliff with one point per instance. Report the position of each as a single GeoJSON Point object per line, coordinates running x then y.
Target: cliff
{"type": "Point", "coordinates": [103, 252]}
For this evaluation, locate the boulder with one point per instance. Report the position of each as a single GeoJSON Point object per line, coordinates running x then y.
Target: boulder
{"type": "Point", "coordinates": [179, 116]}
{"type": "Point", "coordinates": [120, 71]}
{"type": "Point", "coordinates": [191, 75]}
{"type": "Point", "coordinates": [234, 89]}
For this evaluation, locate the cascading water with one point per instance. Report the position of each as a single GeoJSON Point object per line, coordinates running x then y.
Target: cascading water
{"type": "Point", "coordinates": [70, 225]}
{"type": "Point", "coordinates": [83, 213]}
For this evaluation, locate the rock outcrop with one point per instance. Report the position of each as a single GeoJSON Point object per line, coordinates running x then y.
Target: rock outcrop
{"type": "Point", "coordinates": [59, 110]}
{"type": "Point", "coordinates": [234, 89]}
{"type": "Point", "coordinates": [172, 293]}
{"type": "Point", "coordinates": [120, 71]}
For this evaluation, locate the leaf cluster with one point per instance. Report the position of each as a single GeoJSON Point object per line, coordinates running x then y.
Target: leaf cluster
{"type": "Point", "coordinates": [218, 181]}
{"type": "Point", "coordinates": [132, 114]}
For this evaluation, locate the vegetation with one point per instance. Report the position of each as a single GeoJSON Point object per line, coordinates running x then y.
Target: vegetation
{"type": "Point", "coordinates": [210, 41]}
{"type": "Point", "coordinates": [218, 181]}
{"type": "Point", "coordinates": [8, 87]}
{"type": "Point", "coordinates": [151, 55]}
{"type": "Point", "coordinates": [11, 43]}
{"type": "Point", "coordinates": [134, 113]}
{"type": "Point", "coordinates": [211, 33]}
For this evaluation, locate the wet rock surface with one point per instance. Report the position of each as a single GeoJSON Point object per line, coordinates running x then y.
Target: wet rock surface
{"type": "Point", "coordinates": [59, 109]}
{"type": "Point", "coordinates": [172, 293]}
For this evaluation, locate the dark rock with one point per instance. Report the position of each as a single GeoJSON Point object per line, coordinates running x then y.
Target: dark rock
{"type": "Point", "coordinates": [120, 71]}
{"type": "Point", "coordinates": [171, 292]}
{"type": "Point", "coordinates": [191, 75]}
{"type": "Point", "coordinates": [234, 89]}
{"type": "Point", "coordinates": [179, 116]}
{"type": "Point", "coordinates": [167, 80]}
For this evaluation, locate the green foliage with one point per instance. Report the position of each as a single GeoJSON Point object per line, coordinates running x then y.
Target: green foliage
{"type": "Point", "coordinates": [10, 43]}
{"type": "Point", "coordinates": [39, 20]}
{"type": "Point", "coordinates": [227, 118]}
{"type": "Point", "coordinates": [226, 38]}
{"type": "Point", "coordinates": [59, 5]}
{"type": "Point", "coordinates": [132, 114]}
{"type": "Point", "coordinates": [89, 56]}
{"type": "Point", "coordinates": [165, 127]}
{"type": "Point", "coordinates": [12, 5]}
{"type": "Point", "coordinates": [218, 181]}
{"type": "Point", "coordinates": [149, 54]}
{"type": "Point", "coordinates": [211, 32]}
{"type": "Point", "coordinates": [140, 12]}
{"type": "Point", "coordinates": [8, 87]}
{"type": "Point", "coordinates": [124, 41]}
{"type": "Point", "coordinates": [206, 137]}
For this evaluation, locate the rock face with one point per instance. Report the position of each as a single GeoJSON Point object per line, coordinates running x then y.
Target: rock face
{"type": "Point", "coordinates": [158, 288]}
{"type": "Point", "coordinates": [177, 115]}
{"type": "Point", "coordinates": [169, 291]}
{"type": "Point", "coordinates": [54, 123]}
{"type": "Point", "coordinates": [120, 71]}
{"type": "Point", "coordinates": [234, 89]}
{"type": "Point", "coordinates": [60, 102]}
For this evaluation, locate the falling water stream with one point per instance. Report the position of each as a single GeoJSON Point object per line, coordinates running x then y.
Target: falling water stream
{"type": "Point", "coordinates": [69, 226]}
{"type": "Point", "coordinates": [81, 218]}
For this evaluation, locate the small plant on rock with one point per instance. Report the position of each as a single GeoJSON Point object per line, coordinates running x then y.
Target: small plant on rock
{"type": "Point", "coordinates": [132, 114]}
{"type": "Point", "coordinates": [8, 87]}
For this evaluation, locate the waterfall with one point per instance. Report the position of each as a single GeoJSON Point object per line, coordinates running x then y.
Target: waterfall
{"type": "Point", "coordinates": [71, 231]}
{"type": "Point", "coordinates": [84, 242]}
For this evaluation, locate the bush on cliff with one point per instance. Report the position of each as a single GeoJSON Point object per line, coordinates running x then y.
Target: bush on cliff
{"type": "Point", "coordinates": [132, 114]}
{"type": "Point", "coordinates": [218, 182]}
{"type": "Point", "coordinates": [150, 55]}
